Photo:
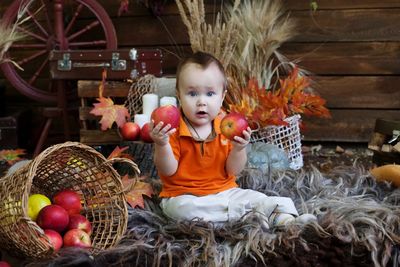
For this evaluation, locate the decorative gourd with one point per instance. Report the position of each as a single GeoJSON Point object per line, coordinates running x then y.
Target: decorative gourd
{"type": "Point", "coordinates": [266, 157]}
{"type": "Point", "coordinates": [390, 173]}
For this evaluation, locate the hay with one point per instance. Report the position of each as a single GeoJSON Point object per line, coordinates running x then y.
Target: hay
{"type": "Point", "coordinates": [358, 225]}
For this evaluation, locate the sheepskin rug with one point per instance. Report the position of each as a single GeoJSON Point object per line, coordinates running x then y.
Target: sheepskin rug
{"type": "Point", "coordinates": [358, 225]}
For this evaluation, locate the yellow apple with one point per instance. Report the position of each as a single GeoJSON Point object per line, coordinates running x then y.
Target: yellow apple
{"type": "Point", "coordinates": [37, 202]}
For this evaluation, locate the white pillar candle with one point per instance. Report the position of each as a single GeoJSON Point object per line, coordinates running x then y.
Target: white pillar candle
{"type": "Point", "coordinates": [168, 100]}
{"type": "Point", "coordinates": [141, 119]}
{"type": "Point", "coordinates": [150, 103]}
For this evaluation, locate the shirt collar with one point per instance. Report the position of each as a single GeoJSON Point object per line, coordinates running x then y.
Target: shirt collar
{"type": "Point", "coordinates": [184, 129]}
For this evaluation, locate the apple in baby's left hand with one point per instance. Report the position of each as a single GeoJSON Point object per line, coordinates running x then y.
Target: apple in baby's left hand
{"type": "Point", "coordinates": [77, 238]}
{"type": "Point", "coordinates": [233, 125]}
{"type": "Point", "coordinates": [77, 221]}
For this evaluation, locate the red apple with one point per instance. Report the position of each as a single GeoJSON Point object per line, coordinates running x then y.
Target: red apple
{"type": "Point", "coordinates": [55, 239]}
{"type": "Point", "coordinates": [145, 133]}
{"type": "Point", "coordinates": [77, 221]}
{"type": "Point", "coordinates": [69, 200]}
{"type": "Point", "coordinates": [53, 217]}
{"type": "Point", "coordinates": [168, 114]}
{"type": "Point", "coordinates": [77, 238]}
{"type": "Point", "coordinates": [130, 131]}
{"type": "Point", "coordinates": [233, 125]}
{"type": "Point", "coordinates": [4, 264]}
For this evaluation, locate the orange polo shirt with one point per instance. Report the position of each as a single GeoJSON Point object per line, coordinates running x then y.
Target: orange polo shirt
{"type": "Point", "coordinates": [201, 164]}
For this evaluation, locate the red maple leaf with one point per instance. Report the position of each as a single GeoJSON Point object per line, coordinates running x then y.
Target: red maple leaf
{"type": "Point", "coordinates": [110, 113]}
{"type": "Point", "coordinates": [118, 153]}
{"type": "Point", "coordinates": [135, 189]}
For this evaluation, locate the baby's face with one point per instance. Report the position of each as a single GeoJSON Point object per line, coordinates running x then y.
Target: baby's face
{"type": "Point", "coordinates": [201, 92]}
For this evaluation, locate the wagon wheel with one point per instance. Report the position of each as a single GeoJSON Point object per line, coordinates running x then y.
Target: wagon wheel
{"type": "Point", "coordinates": [53, 25]}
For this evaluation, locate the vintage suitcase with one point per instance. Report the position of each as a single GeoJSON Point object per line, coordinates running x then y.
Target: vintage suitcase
{"type": "Point", "coordinates": [120, 64]}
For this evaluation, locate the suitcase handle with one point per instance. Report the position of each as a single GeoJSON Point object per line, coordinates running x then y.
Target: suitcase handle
{"type": "Point", "coordinates": [116, 64]}
{"type": "Point", "coordinates": [90, 65]}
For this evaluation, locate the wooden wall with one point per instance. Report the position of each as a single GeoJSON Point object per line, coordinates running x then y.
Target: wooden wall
{"type": "Point", "coordinates": [352, 48]}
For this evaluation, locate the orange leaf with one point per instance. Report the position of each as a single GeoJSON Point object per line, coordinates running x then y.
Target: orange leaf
{"type": "Point", "coordinates": [117, 153]}
{"type": "Point", "coordinates": [11, 156]}
{"type": "Point", "coordinates": [110, 113]}
{"type": "Point", "coordinates": [135, 189]}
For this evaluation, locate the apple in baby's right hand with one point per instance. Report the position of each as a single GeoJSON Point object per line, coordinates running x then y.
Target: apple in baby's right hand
{"type": "Point", "coordinates": [233, 125]}
{"type": "Point", "coordinates": [168, 114]}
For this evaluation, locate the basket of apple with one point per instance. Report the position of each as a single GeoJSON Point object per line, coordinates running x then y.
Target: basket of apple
{"type": "Point", "coordinates": [68, 196]}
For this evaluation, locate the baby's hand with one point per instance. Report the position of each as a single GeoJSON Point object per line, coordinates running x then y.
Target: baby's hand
{"type": "Point", "coordinates": [160, 134]}
{"type": "Point", "coordinates": [241, 142]}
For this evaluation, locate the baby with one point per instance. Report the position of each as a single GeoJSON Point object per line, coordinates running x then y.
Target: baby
{"type": "Point", "coordinates": [198, 165]}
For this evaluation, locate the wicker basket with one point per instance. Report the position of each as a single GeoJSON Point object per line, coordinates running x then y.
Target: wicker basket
{"type": "Point", "coordinates": [286, 137]}
{"type": "Point", "coordinates": [69, 165]}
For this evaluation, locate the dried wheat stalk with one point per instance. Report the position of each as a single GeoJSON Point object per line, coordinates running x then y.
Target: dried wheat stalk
{"type": "Point", "coordinates": [263, 27]}
{"type": "Point", "coordinates": [10, 34]}
{"type": "Point", "coordinates": [218, 39]}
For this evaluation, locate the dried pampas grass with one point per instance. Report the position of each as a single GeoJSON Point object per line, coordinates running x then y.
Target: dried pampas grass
{"type": "Point", "coordinates": [10, 34]}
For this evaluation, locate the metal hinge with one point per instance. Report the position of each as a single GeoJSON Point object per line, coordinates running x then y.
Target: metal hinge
{"type": "Point", "coordinates": [396, 135]}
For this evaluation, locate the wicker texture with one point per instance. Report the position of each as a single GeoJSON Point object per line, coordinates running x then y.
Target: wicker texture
{"type": "Point", "coordinates": [286, 137]}
{"type": "Point", "coordinates": [144, 85]}
{"type": "Point", "coordinates": [69, 165]}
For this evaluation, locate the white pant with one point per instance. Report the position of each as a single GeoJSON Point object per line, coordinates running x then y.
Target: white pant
{"type": "Point", "coordinates": [229, 205]}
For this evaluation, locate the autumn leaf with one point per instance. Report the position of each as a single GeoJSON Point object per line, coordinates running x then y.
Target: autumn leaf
{"type": "Point", "coordinates": [135, 189]}
{"type": "Point", "coordinates": [118, 153]}
{"type": "Point", "coordinates": [11, 156]}
{"type": "Point", "coordinates": [110, 113]}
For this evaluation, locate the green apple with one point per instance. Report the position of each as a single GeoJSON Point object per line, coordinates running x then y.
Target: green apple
{"type": "Point", "coordinates": [37, 202]}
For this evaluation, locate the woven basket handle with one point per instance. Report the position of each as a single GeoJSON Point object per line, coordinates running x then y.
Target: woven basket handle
{"type": "Point", "coordinates": [125, 160]}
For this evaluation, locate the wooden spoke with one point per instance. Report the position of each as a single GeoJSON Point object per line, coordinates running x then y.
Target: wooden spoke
{"type": "Point", "coordinates": [28, 46]}
{"type": "Point", "coordinates": [88, 44]}
{"type": "Point", "coordinates": [74, 17]}
{"type": "Point", "coordinates": [48, 19]}
{"type": "Point", "coordinates": [25, 60]}
{"type": "Point", "coordinates": [39, 70]}
{"type": "Point", "coordinates": [37, 23]}
{"type": "Point", "coordinates": [84, 30]}
{"type": "Point", "coordinates": [34, 35]}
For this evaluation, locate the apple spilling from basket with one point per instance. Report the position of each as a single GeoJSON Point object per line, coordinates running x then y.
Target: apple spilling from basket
{"type": "Point", "coordinates": [60, 219]}
{"type": "Point", "coordinates": [131, 131]}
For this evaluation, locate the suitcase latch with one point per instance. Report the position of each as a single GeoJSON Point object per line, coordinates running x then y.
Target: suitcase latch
{"type": "Point", "coordinates": [66, 64]}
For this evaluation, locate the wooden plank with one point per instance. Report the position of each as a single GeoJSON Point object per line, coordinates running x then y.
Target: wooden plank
{"type": "Point", "coordinates": [322, 26]}
{"type": "Point", "coordinates": [346, 125]}
{"type": "Point", "coordinates": [111, 88]}
{"type": "Point", "coordinates": [369, 92]}
{"type": "Point", "coordinates": [340, 4]}
{"type": "Point", "coordinates": [98, 137]}
{"type": "Point", "coordinates": [347, 25]}
{"type": "Point", "coordinates": [369, 58]}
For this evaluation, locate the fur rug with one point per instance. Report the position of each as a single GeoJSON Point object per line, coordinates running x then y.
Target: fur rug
{"type": "Point", "coordinates": [358, 225]}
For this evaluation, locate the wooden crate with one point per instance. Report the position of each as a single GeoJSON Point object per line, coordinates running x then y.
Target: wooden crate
{"type": "Point", "coordinates": [88, 91]}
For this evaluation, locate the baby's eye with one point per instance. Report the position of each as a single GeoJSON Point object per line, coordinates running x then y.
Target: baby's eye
{"type": "Point", "coordinates": [192, 93]}
{"type": "Point", "coordinates": [210, 93]}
